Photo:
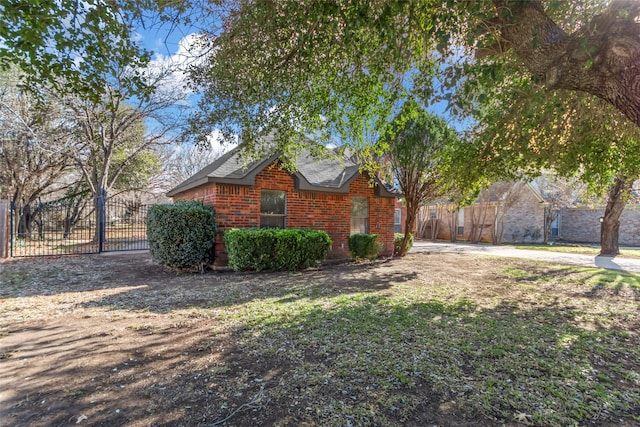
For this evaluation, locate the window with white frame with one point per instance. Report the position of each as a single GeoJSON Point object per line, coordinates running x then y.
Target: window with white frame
{"type": "Point", "coordinates": [460, 221]}
{"type": "Point", "coordinates": [359, 215]}
{"type": "Point", "coordinates": [555, 226]}
{"type": "Point", "coordinates": [397, 221]}
{"type": "Point", "coordinates": [273, 209]}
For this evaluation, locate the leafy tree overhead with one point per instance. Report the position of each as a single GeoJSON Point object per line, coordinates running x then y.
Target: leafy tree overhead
{"type": "Point", "coordinates": [573, 134]}
{"type": "Point", "coordinates": [73, 45]}
{"type": "Point", "coordinates": [36, 146]}
{"type": "Point", "coordinates": [417, 144]}
{"type": "Point", "coordinates": [301, 66]}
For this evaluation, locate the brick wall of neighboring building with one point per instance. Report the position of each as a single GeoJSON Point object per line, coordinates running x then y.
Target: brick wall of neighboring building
{"type": "Point", "coordinates": [582, 225]}
{"type": "Point", "coordinates": [239, 207]}
{"type": "Point", "coordinates": [524, 222]}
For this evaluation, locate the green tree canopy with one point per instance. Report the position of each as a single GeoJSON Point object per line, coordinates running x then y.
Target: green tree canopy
{"type": "Point", "coordinates": [299, 67]}
{"type": "Point", "coordinates": [73, 45]}
{"type": "Point", "coordinates": [417, 146]}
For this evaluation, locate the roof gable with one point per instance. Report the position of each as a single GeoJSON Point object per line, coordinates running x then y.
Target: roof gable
{"type": "Point", "coordinates": [329, 174]}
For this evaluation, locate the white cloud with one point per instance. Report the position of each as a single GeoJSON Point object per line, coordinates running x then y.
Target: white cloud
{"type": "Point", "coordinates": [217, 143]}
{"type": "Point", "coordinates": [170, 71]}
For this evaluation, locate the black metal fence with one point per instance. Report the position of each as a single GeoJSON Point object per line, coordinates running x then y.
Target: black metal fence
{"type": "Point", "coordinates": [75, 226]}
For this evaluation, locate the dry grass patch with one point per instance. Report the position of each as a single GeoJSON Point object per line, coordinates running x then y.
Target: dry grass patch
{"type": "Point", "coordinates": [428, 339]}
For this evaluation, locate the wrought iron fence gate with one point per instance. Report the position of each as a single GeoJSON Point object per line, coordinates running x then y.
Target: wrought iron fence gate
{"type": "Point", "coordinates": [77, 227]}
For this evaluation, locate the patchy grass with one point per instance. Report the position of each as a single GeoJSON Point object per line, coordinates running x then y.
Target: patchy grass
{"type": "Point", "coordinates": [498, 359]}
{"type": "Point", "coordinates": [576, 249]}
{"type": "Point", "coordinates": [429, 339]}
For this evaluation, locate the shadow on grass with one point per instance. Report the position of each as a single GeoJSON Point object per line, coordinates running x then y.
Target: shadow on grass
{"type": "Point", "coordinates": [589, 282]}
{"type": "Point", "coordinates": [314, 355]}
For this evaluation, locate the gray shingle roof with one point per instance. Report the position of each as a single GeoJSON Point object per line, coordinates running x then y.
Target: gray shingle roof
{"type": "Point", "coordinates": [327, 174]}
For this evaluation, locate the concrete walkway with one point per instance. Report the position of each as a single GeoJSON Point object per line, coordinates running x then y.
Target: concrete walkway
{"type": "Point", "coordinates": [616, 263]}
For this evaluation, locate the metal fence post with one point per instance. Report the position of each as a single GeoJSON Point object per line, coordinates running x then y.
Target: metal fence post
{"type": "Point", "coordinates": [102, 219]}
{"type": "Point", "coordinates": [4, 228]}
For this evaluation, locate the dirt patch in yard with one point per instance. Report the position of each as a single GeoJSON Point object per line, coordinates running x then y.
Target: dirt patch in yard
{"type": "Point", "coordinates": [117, 340]}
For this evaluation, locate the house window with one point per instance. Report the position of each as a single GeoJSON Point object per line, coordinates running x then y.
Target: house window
{"type": "Point", "coordinates": [460, 221]}
{"type": "Point", "coordinates": [359, 215]}
{"type": "Point", "coordinates": [555, 226]}
{"type": "Point", "coordinates": [397, 221]}
{"type": "Point", "coordinates": [432, 213]}
{"type": "Point", "coordinates": [272, 209]}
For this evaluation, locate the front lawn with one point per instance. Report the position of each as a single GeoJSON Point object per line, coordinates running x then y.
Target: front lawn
{"type": "Point", "coordinates": [444, 339]}
{"type": "Point", "coordinates": [577, 249]}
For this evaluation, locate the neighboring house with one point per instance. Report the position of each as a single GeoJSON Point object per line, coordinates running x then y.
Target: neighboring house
{"type": "Point", "coordinates": [508, 212]}
{"type": "Point", "coordinates": [399, 216]}
{"type": "Point", "coordinates": [516, 212]}
{"type": "Point", "coordinates": [323, 194]}
{"type": "Point", "coordinates": [582, 225]}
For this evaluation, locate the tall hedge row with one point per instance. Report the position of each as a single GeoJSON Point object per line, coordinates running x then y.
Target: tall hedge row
{"type": "Point", "coordinates": [181, 234]}
{"type": "Point", "coordinates": [275, 249]}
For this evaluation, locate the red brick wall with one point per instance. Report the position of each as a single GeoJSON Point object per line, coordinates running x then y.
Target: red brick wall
{"type": "Point", "coordinates": [239, 207]}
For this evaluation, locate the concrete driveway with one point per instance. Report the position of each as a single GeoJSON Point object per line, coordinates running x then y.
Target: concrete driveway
{"type": "Point", "coordinates": [615, 263]}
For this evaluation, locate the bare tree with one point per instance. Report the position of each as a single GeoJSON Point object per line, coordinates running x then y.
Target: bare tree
{"type": "Point", "coordinates": [558, 193]}
{"type": "Point", "coordinates": [35, 148]}
{"type": "Point", "coordinates": [506, 196]}
{"type": "Point", "coordinates": [479, 211]}
{"type": "Point", "coordinates": [183, 162]}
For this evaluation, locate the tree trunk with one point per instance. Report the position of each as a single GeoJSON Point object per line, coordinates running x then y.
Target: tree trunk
{"type": "Point", "coordinates": [610, 226]}
{"type": "Point", "coordinates": [409, 225]}
{"type": "Point", "coordinates": [547, 224]}
{"type": "Point", "coordinates": [25, 221]}
{"type": "Point", "coordinates": [434, 229]}
{"type": "Point", "coordinates": [601, 58]}
{"type": "Point", "coordinates": [453, 225]}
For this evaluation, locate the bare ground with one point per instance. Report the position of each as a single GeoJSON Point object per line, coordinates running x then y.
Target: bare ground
{"type": "Point", "coordinates": [117, 340]}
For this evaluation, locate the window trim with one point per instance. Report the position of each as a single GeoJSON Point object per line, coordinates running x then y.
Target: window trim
{"type": "Point", "coordinates": [365, 218]}
{"type": "Point", "coordinates": [397, 220]}
{"type": "Point", "coordinates": [274, 215]}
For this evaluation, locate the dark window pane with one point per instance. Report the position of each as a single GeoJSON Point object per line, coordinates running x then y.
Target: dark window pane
{"type": "Point", "coordinates": [359, 215]}
{"type": "Point", "coordinates": [272, 202]}
{"type": "Point", "coordinates": [272, 221]}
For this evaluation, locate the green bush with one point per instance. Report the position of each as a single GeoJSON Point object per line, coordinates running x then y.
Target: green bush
{"type": "Point", "coordinates": [364, 246]}
{"type": "Point", "coordinates": [397, 241]}
{"type": "Point", "coordinates": [275, 249]}
{"type": "Point", "coordinates": [181, 234]}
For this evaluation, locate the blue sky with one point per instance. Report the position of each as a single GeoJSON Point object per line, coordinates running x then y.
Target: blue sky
{"type": "Point", "coordinates": [167, 45]}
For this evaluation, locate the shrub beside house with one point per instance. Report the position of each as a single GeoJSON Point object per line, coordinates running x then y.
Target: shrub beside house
{"type": "Point", "coordinates": [323, 194]}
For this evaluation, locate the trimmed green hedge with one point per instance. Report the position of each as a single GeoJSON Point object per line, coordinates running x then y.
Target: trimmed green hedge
{"type": "Point", "coordinates": [182, 234]}
{"type": "Point", "coordinates": [275, 249]}
{"type": "Point", "coordinates": [397, 241]}
{"type": "Point", "coordinates": [364, 246]}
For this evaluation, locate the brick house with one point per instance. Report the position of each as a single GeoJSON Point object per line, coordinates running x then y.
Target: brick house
{"type": "Point", "coordinates": [509, 212]}
{"type": "Point", "coordinates": [324, 194]}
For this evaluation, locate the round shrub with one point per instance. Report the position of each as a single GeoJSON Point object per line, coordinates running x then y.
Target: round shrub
{"type": "Point", "coordinates": [182, 234]}
{"type": "Point", "coordinates": [364, 246]}
{"type": "Point", "coordinates": [397, 242]}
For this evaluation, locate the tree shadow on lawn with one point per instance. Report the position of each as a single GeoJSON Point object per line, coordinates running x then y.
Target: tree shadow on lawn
{"type": "Point", "coordinates": [210, 291]}
{"type": "Point", "coordinates": [343, 359]}
{"type": "Point", "coordinates": [600, 282]}
{"type": "Point", "coordinates": [135, 282]}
